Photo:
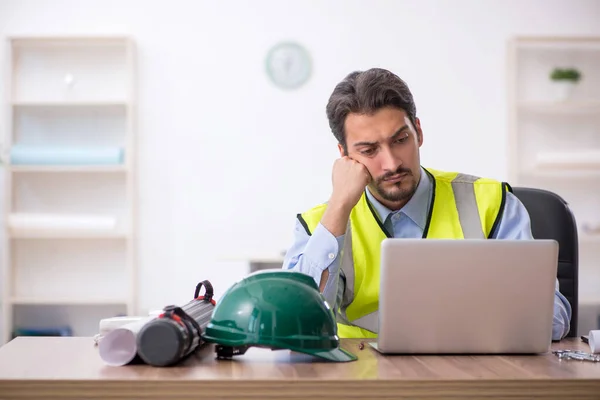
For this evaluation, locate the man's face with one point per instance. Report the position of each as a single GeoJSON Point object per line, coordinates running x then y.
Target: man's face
{"type": "Point", "coordinates": [387, 144]}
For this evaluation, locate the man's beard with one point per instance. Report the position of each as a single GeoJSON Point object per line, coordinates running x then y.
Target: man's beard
{"type": "Point", "coordinates": [395, 195]}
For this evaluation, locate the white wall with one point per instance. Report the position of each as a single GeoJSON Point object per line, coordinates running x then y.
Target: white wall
{"type": "Point", "coordinates": [227, 160]}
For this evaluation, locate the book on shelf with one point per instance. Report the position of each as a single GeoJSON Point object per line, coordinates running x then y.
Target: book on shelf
{"type": "Point", "coordinates": [48, 331]}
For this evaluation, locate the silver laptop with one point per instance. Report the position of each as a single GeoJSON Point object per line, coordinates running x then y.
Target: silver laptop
{"type": "Point", "coordinates": [466, 296]}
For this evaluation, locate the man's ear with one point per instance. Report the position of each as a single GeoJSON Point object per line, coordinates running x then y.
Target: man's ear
{"type": "Point", "coordinates": [342, 151]}
{"type": "Point", "coordinates": [419, 131]}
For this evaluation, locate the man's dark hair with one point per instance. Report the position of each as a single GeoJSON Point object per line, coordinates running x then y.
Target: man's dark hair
{"type": "Point", "coordinates": [365, 92]}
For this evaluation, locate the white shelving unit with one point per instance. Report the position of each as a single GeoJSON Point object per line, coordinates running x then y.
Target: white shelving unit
{"type": "Point", "coordinates": [554, 141]}
{"type": "Point", "coordinates": [70, 202]}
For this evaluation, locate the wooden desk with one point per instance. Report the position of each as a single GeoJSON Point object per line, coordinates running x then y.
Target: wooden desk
{"type": "Point", "coordinates": [42, 368]}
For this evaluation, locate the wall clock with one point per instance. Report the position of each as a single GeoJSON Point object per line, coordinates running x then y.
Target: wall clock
{"type": "Point", "coordinates": [288, 65]}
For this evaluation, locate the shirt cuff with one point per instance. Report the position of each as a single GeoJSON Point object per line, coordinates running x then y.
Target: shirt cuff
{"type": "Point", "coordinates": [322, 248]}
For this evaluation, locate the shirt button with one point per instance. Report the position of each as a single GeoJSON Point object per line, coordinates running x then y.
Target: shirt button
{"type": "Point", "coordinates": [331, 256]}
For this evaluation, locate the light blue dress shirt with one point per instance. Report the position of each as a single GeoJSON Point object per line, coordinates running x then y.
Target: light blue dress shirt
{"type": "Point", "coordinates": [312, 254]}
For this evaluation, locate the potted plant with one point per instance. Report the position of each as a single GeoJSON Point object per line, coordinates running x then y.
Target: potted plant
{"type": "Point", "coordinates": [564, 81]}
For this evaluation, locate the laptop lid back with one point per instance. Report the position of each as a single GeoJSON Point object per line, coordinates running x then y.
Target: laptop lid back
{"type": "Point", "coordinates": [466, 296]}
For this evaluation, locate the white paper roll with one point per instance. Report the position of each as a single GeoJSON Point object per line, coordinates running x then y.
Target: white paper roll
{"type": "Point", "coordinates": [594, 341]}
{"type": "Point", "coordinates": [108, 325]}
{"type": "Point", "coordinates": [40, 222]}
{"type": "Point", "coordinates": [119, 346]}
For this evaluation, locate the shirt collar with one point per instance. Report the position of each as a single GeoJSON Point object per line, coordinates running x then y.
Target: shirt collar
{"type": "Point", "coordinates": [416, 208]}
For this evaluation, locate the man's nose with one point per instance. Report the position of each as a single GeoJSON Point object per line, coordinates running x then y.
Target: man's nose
{"type": "Point", "coordinates": [389, 162]}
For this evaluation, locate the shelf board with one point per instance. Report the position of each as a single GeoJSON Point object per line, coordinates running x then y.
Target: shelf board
{"type": "Point", "coordinates": [566, 107]}
{"type": "Point", "coordinates": [83, 103]}
{"type": "Point", "coordinates": [588, 238]}
{"type": "Point", "coordinates": [68, 235]}
{"type": "Point", "coordinates": [68, 41]}
{"type": "Point", "coordinates": [67, 168]}
{"type": "Point", "coordinates": [255, 258]}
{"type": "Point", "coordinates": [580, 160]}
{"type": "Point", "coordinates": [589, 300]}
{"type": "Point", "coordinates": [266, 260]}
{"type": "Point", "coordinates": [570, 173]}
{"type": "Point", "coordinates": [560, 43]}
{"type": "Point", "coordinates": [65, 301]}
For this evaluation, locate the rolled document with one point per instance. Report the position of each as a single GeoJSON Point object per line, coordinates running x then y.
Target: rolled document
{"type": "Point", "coordinates": [107, 325]}
{"type": "Point", "coordinates": [119, 346]}
{"type": "Point", "coordinates": [163, 338]}
{"type": "Point", "coordinates": [594, 341]}
{"type": "Point", "coordinates": [46, 222]}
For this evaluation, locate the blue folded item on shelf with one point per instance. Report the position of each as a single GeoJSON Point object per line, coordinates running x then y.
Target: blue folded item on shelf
{"type": "Point", "coordinates": [50, 331]}
{"type": "Point", "coordinates": [65, 155]}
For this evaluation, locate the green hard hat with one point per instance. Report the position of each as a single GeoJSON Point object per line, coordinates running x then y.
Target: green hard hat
{"type": "Point", "coordinates": [277, 309]}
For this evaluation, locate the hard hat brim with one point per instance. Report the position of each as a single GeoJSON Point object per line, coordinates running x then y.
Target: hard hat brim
{"type": "Point", "coordinates": [337, 355]}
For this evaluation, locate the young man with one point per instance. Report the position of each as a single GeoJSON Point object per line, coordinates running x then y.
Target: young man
{"type": "Point", "coordinates": [373, 117]}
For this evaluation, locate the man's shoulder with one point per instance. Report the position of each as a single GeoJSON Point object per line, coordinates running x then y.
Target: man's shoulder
{"type": "Point", "coordinates": [461, 177]}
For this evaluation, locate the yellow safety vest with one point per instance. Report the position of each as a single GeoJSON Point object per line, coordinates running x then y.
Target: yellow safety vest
{"type": "Point", "coordinates": [462, 206]}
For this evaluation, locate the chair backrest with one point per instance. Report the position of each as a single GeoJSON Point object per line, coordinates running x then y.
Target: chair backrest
{"type": "Point", "coordinates": [551, 218]}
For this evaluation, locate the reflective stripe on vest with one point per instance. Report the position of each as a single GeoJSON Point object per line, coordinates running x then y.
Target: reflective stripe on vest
{"type": "Point", "coordinates": [478, 203]}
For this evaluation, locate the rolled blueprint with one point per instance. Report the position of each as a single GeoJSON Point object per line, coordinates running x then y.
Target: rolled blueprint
{"type": "Point", "coordinates": [594, 341]}
{"type": "Point", "coordinates": [46, 222]}
{"type": "Point", "coordinates": [119, 346]}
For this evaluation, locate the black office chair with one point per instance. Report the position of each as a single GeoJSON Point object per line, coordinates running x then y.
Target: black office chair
{"type": "Point", "coordinates": [551, 218]}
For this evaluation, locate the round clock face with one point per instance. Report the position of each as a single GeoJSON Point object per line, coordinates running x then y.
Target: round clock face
{"type": "Point", "coordinates": [288, 65]}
